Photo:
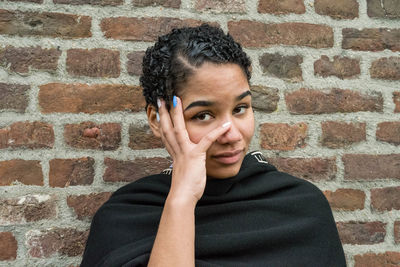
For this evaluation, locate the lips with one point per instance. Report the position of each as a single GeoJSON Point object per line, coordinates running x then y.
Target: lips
{"type": "Point", "coordinates": [229, 157]}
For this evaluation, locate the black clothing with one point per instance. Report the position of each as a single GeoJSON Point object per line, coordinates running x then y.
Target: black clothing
{"type": "Point", "coordinates": [260, 217]}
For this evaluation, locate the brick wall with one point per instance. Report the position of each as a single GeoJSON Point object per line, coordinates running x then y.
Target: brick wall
{"type": "Point", "coordinates": [326, 82]}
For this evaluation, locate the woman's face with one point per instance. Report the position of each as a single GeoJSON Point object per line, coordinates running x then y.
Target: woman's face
{"type": "Point", "coordinates": [213, 95]}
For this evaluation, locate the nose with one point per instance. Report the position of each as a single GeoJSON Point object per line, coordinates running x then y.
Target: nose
{"type": "Point", "coordinates": [232, 135]}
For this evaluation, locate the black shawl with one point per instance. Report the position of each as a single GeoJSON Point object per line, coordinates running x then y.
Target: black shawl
{"type": "Point", "coordinates": [260, 217]}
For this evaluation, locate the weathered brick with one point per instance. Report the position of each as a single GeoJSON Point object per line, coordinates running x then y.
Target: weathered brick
{"type": "Point", "coordinates": [341, 134]}
{"type": "Point", "coordinates": [370, 167]}
{"type": "Point", "coordinates": [312, 169]}
{"type": "Point", "coordinates": [383, 8]}
{"type": "Point", "coordinates": [341, 67]}
{"type": "Point", "coordinates": [371, 39]}
{"type": "Point", "coordinates": [396, 100]}
{"type": "Point", "coordinates": [13, 97]}
{"type": "Point", "coordinates": [387, 259]}
{"type": "Point", "coordinates": [361, 233]}
{"type": "Point", "coordinates": [85, 206]}
{"type": "Point", "coordinates": [339, 9]}
{"type": "Point", "coordinates": [389, 132]}
{"type": "Point", "coordinates": [309, 101]}
{"type": "Point", "coordinates": [22, 59]}
{"type": "Point", "coordinates": [90, 2]}
{"type": "Point", "coordinates": [141, 137]}
{"type": "Point", "coordinates": [387, 198]}
{"type": "Point", "coordinates": [397, 232]}
{"type": "Point", "coordinates": [287, 68]}
{"type": "Point", "coordinates": [142, 29]}
{"type": "Point", "coordinates": [32, 1]}
{"type": "Point", "coordinates": [28, 172]}
{"type": "Point", "coordinates": [164, 3]}
{"type": "Point", "coordinates": [258, 34]}
{"type": "Point", "coordinates": [283, 136]}
{"type": "Point", "coordinates": [281, 6]}
{"type": "Point", "coordinates": [8, 246]}
{"type": "Point", "coordinates": [70, 172]}
{"type": "Point", "coordinates": [44, 24]}
{"type": "Point", "coordinates": [89, 135]}
{"type": "Point", "coordinates": [97, 62]}
{"type": "Point", "coordinates": [386, 68]}
{"type": "Point", "coordinates": [222, 6]}
{"type": "Point", "coordinates": [29, 208]}
{"type": "Point", "coordinates": [98, 98]}
{"type": "Point", "coordinates": [27, 135]}
{"type": "Point", "coordinates": [346, 199]}
{"type": "Point", "coordinates": [64, 241]}
{"type": "Point", "coordinates": [132, 170]}
{"type": "Point", "coordinates": [134, 63]}
{"type": "Point", "coordinates": [264, 98]}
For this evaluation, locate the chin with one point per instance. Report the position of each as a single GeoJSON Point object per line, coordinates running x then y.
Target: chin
{"type": "Point", "coordinates": [224, 172]}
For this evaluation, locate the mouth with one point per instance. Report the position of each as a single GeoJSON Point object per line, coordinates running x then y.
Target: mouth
{"type": "Point", "coordinates": [229, 157]}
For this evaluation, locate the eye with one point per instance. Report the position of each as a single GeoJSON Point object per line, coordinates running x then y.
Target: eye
{"type": "Point", "coordinates": [202, 116]}
{"type": "Point", "coordinates": [240, 109]}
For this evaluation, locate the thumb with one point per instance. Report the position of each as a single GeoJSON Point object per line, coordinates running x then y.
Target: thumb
{"type": "Point", "coordinates": [210, 138]}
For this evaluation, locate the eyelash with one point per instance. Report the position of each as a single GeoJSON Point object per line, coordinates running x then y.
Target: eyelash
{"type": "Point", "coordinates": [197, 116]}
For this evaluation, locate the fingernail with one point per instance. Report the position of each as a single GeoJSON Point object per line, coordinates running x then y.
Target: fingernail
{"type": "Point", "coordinates": [174, 102]}
{"type": "Point", "coordinates": [158, 102]}
{"type": "Point", "coordinates": [158, 116]}
{"type": "Point", "coordinates": [226, 124]}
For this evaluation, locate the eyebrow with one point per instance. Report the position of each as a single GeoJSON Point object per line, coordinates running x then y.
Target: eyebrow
{"type": "Point", "coordinates": [204, 103]}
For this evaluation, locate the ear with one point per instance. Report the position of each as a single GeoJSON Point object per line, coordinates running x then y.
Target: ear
{"type": "Point", "coordinates": [152, 119]}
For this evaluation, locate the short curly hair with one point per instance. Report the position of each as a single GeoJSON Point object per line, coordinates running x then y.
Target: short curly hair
{"type": "Point", "coordinates": [175, 56]}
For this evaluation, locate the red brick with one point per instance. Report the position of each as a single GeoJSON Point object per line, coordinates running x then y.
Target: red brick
{"type": "Point", "coordinates": [134, 63]}
{"type": "Point", "coordinates": [44, 24]}
{"type": "Point", "coordinates": [142, 29]}
{"type": "Point", "coordinates": [70, 172]}
{"type": "Point", "coordinates": [387, 259]}
{"type": "Point", "coordinates": [164, 3]}
{"type": "Point", "coordinates": [98, 98]}
{"type": "Point", "coordinates": [22, 59]}
{"type": "Point", "coordinates": [29, 208]}
{"type": "Point", "coordinates": [14, 97]}
{"type": "Point", "coordinates": [383, 9]}
{"type": "Point", "coordinates": [371, 39]}
{"type": "Point", "coordinates": [397, 232]}
{"type": "Point", "coordinates": [85, 206]}
{"type": "Point", "coordinates": [97, 62]}
{"type": "Point", "coordinates": [341, 134]}
{"type": "Point", "coordinates": [222, 6]}
{"type": "Point", "coordinates": [278, 7]}
{"type": "Point", "coordinates": [132, 170]}
{"type": "Point", "coordinates": [287, 68]}
{"type": "Point", "coordinates": [141, 137]}
{"type": "Point", "coordinates": [346, 199]}
{"type": "Point", "coordinates": [370, 167]}
{"type": "Point", "coordinates": [308, 101]}
{"type": "Point", "coordinates": [361, 233]}
{"type": "Point", "coordinates": [27, 135]}
{"type": "Point", "coordinates": [338, 9]}
{"type": "Point", "coordinates": [88, 135]}
{"type": "Point", "coordinates": [396, 100]}
{"type": "Point", "coordinates": [389, 132]}
{"type": "Point", "coordinates": [8, 246]}
{"type": "Point", "coordinates": [65, 241]}
{"type": "Point", "coordinates": [90, 2]}
{"type": "Point", "coordinates": [264, 98]}
{"type": "Point", "coordinates": [258, 34]}
{"type": "Point", "coordinates": [312, 169]}
{"type": "Point", "coordinates": [283, 136]}
{"type": "Point", "coordinates": [28, 172]}
{"type": "Point", "coordinates": [386, 68]}
{"type": "Point", "coordinates": [341, 67]}
{"type": "Point", "coordinates": [383, 199]}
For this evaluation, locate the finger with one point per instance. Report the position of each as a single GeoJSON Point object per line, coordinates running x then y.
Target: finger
{"type": "Point", "coordinates": [167, 145]}
{"type": "Point", "coordinates": [167, 127]}
{"type": "Point", "coordinates": [178, 120]}
{"type": "Point", "coordinates": [210, 138]}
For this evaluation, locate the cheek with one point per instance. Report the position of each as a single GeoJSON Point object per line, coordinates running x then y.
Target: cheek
{"type": "Point", "coordinates": [196, 133]}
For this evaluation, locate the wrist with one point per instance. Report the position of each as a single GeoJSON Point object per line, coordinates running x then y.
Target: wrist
{"type": "Point", "coordinates": [175, 200]}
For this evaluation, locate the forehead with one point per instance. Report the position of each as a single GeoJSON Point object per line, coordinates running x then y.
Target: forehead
{"type": "Point", "coordinates": [215, 81]}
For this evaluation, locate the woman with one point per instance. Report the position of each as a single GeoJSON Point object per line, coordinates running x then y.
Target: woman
{"type": "Point", "coordinates": [218, 205]}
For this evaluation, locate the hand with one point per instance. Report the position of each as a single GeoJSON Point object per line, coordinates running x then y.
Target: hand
{"type": "Point", "coordinates": [189, 173]}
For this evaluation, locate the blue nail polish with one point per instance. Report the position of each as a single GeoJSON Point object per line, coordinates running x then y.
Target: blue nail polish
{"type": "Point", "coordinates": [158, 116]}
{"type": "Point", "coordinates": [174, 102]}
